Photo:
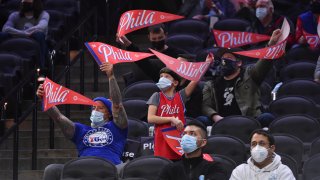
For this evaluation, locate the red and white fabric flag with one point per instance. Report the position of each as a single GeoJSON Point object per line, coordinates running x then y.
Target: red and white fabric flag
{"type": "Point", "coordinates": [173, 138]}
{"type": "Point", "coordinates": [232, 39]}
{"type": "Point", "coordinates": [136, 19]}
{"type": "Point", "coordinates": [192, 71]}
{"type": "Point", "coordinates": [312, 39]}
{"type": "Point", "coordinates": [272, 52]}
{"type": "Point", "coordinates": [107, 53]}
{"type": "Point", "coordinates": [55, 94]}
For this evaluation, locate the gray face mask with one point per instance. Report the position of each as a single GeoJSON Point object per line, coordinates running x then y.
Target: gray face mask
{"type": "Point", "coordinates": [261, 13]}
{"type": "Point", "coordinates": [97, 119]}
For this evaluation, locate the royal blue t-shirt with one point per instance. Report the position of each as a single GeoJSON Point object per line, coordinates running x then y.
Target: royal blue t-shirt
{"type": "Point", "coordinates": [107, 141]}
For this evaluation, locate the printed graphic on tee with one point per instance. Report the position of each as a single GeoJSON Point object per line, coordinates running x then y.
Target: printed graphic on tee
{"type": "Point", "coordinates": [228, 96]}
{"type": "Point", "coordinates": [98, 137]}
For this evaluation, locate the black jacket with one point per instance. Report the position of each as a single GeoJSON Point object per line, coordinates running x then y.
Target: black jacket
{"type": "Point", "coordinates": [192, 168]}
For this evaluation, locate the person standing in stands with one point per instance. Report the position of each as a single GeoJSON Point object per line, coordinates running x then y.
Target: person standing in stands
{"type": "Point", "coordinates": [192, 166]}
{"type": "Point", "coordinates": [108, 118]}
{"type": "Point", "coordinates": [31, 21]}
{"type": "Point", "coordinates": [264, 163]}
{"type": "Point", "coordinates": [236, 91]}
{"type": "Point", "coordinates": [308, 22]}
{"type": "Point", "coordinates": [166, 109]}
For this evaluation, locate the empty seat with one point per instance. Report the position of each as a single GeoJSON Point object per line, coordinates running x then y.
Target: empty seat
{"type": "Point", "coordinates": [226, 145]}
{"type": "Point", "coordinates": [142, 90]}
{"type": "Point", "coordinates": [146, 146]}
{"type": "Point", "coordinates": [311, 168]}
{"type": "Point", "coordinates": [289, 145]}
{"type": "Point", "coordinates": [315, 147]}
{"type": "Point", "coordinates": [131, 150]}
{"type": "Point", "coordinates": [228, 164]}
{"type": "Point", "coordinates": [303, 127]}
{"type": "Point", "coordinates": [302, 87]}
{"type": "Point", "coordinates": [136, 108]}
{"type": "Point", "coordinates": [233, 24]}
{"type": "Point", "coordinates": [287, 105]}
{"type": "Point", "coordinates": [237, 126]}
{"type": "Point", "coordinates": [188, 43]}
{"type": "Point", "coordinates": [302, 53]}
{"type": "Point", "coordinates": [148, 167]}
{"type": "Point", "coordinates": [298, 70]}
{"type": "Point", "coordinates": [137, 128]}
{"type": "Point", "coordinates": [89, 168]}
{"type": "Point", "coordinates": [192, 27]}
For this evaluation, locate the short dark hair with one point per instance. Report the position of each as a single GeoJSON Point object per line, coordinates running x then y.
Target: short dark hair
{"type": "Point", "coordinates": [157, 28]}
{"type": "Point", "coordinates": [221, 51]}
{"type": "Point", "coordinates": [200, 125]}
{"type": "Point", "coordinates": [172, 73]}
{"type": "Point", "coordinates": [264, 133]}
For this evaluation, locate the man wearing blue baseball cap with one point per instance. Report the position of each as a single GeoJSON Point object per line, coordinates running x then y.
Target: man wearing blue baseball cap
{"type": "Point", "coordinates": [107, 134]}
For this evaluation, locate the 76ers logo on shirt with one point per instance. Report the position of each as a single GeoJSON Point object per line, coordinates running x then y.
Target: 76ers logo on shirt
{"type": "Point", "coordinates": [98, 137]}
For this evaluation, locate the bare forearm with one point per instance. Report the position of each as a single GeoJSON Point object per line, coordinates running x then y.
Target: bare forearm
{"type": "Point", "coordinates": [158, 119]}
{"type": "Point", "coordinates": [67, 127]}
{"type": "Point", "coordinates": [119, 113]}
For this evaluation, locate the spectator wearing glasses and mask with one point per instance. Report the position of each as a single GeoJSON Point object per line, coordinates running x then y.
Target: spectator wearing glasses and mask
{"type": "Point", "coordinates": [264, 163]}
{"type": "Point", "coordinates": [237, 90]}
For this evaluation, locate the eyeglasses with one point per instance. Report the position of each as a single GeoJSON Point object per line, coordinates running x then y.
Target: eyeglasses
{"type": "Point", "coordinates": [260, 143]}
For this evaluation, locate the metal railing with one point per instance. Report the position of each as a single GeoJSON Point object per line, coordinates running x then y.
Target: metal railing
{"type": "Point", "coordinates": [21, 115]}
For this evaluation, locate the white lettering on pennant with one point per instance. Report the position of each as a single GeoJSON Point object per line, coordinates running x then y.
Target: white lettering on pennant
{"type": "Point", "coordinates": [116, 55]}
{"type": "Point", "coordinates": [229, 39]}
{"type": "Point", "coordinates": [129, 22]}
{"type": "Point", "coordinates": [190, 70]}
{"type": "Point", "coordinates": [55, 95]}
{"type": "Point", "coordinates": [167, 109]}
{"type": "Point", "coordinates": [273, 52]}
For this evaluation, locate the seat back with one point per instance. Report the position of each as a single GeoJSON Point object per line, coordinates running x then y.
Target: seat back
{"type": "Point", "coordinates": [148, 167]}
{"type": "Point", "coordinates": [142, 90]}
{"type": "Point", "coordinates": [290, 162]}
{"type": "Point", "coordinates": [315, 147]}
{"type": "Point", "coordinates": [137, 128]}
{"type": "Point", "coordinates": [289, 145]}
{"type": "Point", "coordinates": [311, 168]}
{"type": "Point", "coordinates": [296, 54]}
{"type": "Point", "coordinates": [136, 108]}
{"type": "Point", "coordinates": [146, 146]}
{"type": "Point", "coordinates": [192, 27]}
{"type": "Point", "coordinates": [237, 126]}
{"type": "Point", "coordinates": [226, 145]}
{"type": "Point", "coordinates": [227, 163]}
{"type": "Point", "coordinates": [297, 104]}
{"type": "Point", "coordinates": [233, 24]}
{"type": "Point", "coordinates": [302, 87]}
{"type": "Point", "coordinates": [94, 168]}
{"type": "Point", "coordinates": [303, 127]}
{"type": "Point", "coordinates": [188, 43]}
{"type": "Point", "coordinates": [298, 70]}
{"type": "Point", "coordinates": [131, 150]}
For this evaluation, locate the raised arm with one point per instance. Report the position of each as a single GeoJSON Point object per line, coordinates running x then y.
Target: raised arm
{"type": "Point", "coordinates": [118, 111]}
{"type": "Point", "coordinates": [66, 125]}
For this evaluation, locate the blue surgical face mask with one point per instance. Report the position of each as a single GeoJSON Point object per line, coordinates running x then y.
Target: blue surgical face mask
{"type": "Point", "coordinates": [97, 119]}
{"type": "Point", "coordinates": [261, 13]}
{"type": "Point", "coordinates": [164, 84]}
{"type": "Point", "coordinates": [188, 143]}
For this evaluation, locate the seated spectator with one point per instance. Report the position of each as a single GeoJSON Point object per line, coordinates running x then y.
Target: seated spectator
{"type": "Point", "coordinates": [264, 163]}
{"type": "Point", "coordinates": [308, 22]}
{"type": "Point", "coordinates": [317, 71]}
{"type": "Point", "coordinates": [236, 91]}
{"type": "Point", "coordinates": [192, 165]}
{"type": "Point", "coordinates": [108, 118]}
{"type": "Point", "coordinates": [31, 21]}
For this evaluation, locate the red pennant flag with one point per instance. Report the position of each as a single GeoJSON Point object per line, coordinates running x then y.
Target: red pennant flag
{"type": "Point", "coordinates": [107, 53]}
{"type": "Point", "coordinates": [137, 19]}
{"type": "Point", "coordinates": [55, 94]}
{"type": "Point", "coordinates": [312, 39]}
{"type": "Point", "coordinates": [232, 39]}
{"type": "Point", "coordinates": [173, 138]}
{"type": "Point", "coordinates": [272, 52]}
{"type": "Point", "coordinates": [189, 70]}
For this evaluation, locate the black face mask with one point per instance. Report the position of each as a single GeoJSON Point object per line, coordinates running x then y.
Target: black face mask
{"type": "Point", "coordinates": [228, 67]}
{"type": "Point", "coordinates": [27, 7]}
{"type": "Point", "coordinates": [158, 45]}
{"type": "Point", "coordinates": [315, 7]}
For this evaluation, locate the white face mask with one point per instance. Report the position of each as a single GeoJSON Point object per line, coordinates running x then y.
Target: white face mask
{"type": "Point", "coordinates": [259, 153]}
{"type": "Point", "coordinates": [97, 119]}
{"type": "Point", "coordinates": [261, 13]}
{"type": "Point", "coordinates": [164, 84]}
